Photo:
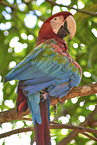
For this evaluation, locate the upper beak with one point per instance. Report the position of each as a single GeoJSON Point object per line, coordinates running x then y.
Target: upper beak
{"type": "Point", "coordinates": [68, 27]}
{"type": "Point", "coordinates": [71, 26]}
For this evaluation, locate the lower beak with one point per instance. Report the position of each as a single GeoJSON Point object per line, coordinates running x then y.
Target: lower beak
{"type": "Point", "coordinates": [63, 31]}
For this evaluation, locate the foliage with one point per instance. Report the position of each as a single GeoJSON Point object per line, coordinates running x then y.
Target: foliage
{"type": "Point", "coordinates": [20, 22]}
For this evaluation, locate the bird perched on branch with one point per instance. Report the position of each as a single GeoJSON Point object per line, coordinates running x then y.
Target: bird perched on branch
{"type": "Point", "coordinates": [48, 71]}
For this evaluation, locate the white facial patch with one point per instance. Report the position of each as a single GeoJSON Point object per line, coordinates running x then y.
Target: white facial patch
{"type": "Point", "coordinates": [56, 23]}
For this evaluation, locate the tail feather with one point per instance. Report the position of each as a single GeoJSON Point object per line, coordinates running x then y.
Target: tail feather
{"type": "Point", "coordinates": [42, 134]}
{"type": "Point", "coordinates": [33, 103]}
{"type": "Point", "coordinates": [21, 104]}
{"type": "Point", "coordinates": [40, 114]}
{"type": "Point", "coordinates": [48, 109]}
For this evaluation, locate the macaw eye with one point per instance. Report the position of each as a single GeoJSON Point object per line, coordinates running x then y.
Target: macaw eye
{"type": "Point", "coordinates": [55, 18]}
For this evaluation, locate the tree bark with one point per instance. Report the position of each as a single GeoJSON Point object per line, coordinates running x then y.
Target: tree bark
{"type": "Point", "coordinates": [78, 91]}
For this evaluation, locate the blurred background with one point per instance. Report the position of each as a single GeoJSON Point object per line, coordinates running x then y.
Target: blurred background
{"type": "Point", "coordinates": [20, 21]}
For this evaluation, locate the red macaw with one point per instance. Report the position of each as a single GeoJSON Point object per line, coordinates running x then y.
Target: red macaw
{"type": "Point", "coordinates": [47, 71]}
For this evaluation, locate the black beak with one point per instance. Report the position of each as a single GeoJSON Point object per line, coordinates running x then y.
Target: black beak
{"type": "Point", "coordinates": [63, 31]}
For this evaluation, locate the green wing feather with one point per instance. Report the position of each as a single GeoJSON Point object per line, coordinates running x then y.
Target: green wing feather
{"type": "Point", "coordinates": [44, 67]}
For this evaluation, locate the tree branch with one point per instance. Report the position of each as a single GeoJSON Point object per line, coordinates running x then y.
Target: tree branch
{"type": "Point", "coordinates": [69, 7]}
{"type": "Point", "coordinates": [15, 131]}
{"type": "Point", "coordinates": [82, 130]}
{"type": "Point", "coordinates": [5, 4]}
{"type": "Point", "coordinates": [11, 115]}
{"type": "Point", "coordinates": [89, 136]}
{"type": "Point", "coordinates": [79, 91]}
{"type": "Point", "coordinates": [73, 134]}
{"type": "Point", "coordinates": [75, 128]}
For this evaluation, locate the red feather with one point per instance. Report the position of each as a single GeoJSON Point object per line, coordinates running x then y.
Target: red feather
{"type": "Point", "coordinates": [21, 102]}
{"type": "Point", "coordinates": [42, 134]}
{"type": "Point", "coordinates": [46, 31]}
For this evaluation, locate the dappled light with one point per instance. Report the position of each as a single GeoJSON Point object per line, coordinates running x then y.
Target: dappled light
{"type": "Point", "coordinates": [20, 22]}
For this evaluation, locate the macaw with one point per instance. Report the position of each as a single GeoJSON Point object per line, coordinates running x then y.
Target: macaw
{"type": "Point", "coordinates": [48, 71]}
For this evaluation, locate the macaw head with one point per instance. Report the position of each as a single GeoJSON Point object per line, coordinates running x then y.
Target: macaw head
{"type": "Point", "coordinates": [57, 26]}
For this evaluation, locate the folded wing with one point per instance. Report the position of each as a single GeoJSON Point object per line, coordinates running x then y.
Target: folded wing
{"type": "Point", "coordinates": [45, 68]}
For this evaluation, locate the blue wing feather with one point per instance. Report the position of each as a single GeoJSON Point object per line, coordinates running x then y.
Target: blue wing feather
{"type": "Point", "coordinates": [30, 89]}
{"type": "Point", "coordinates": [59, 89]}
{"type": "Point", "coordinates": [44, 68]}
{"type": "Point", "coordinates": [33, 103]}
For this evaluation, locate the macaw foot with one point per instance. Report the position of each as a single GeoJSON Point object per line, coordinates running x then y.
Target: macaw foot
{"type": "Point", "coordinates": [60, 102]}
{"type": "Point", "coordinates": [44, 96]}
{"type": "Point", "coordinates": [55, 108]}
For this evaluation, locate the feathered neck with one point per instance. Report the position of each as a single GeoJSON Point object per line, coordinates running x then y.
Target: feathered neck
{"type": "Point", "coordinates": [46, 33]}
